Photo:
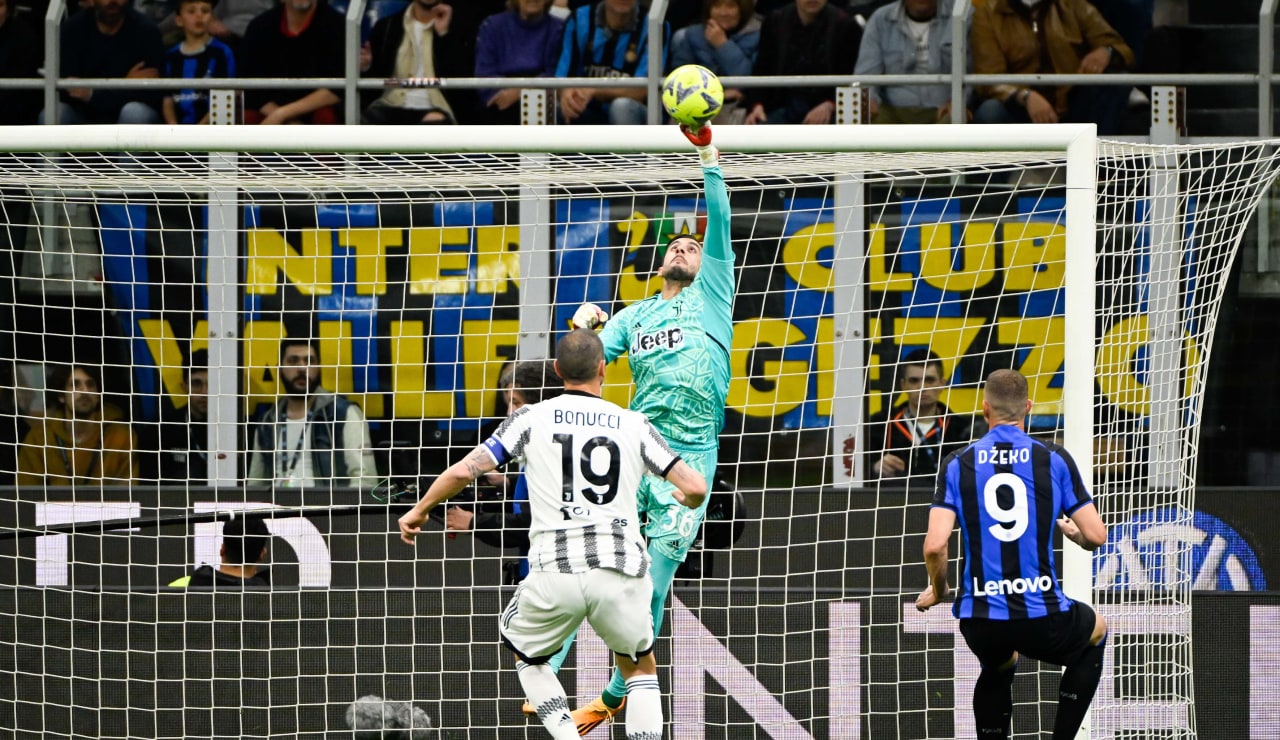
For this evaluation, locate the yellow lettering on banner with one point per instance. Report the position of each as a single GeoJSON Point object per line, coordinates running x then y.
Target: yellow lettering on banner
{"type": "Point", "coordinates": [486, 346]}
{"type": "Point", "coordinates": [309, 268]}
{"type": "Point", "coordinates": [782, 385]}
{"type": "Point", "coordinates": [261, 360]}
{"type": "Point", "coordinates": [496, 263]}
{"type": "Point", "coordinates": [618, 383]}
{"type": "Point", "coordinates": [411, 399]}
{"type": "Point", "coordinates": [1045, 337]}
{"type": "Point", "coordinates": [824, 364]}
{"type": "Point", "coordinates": [800, 256]}
{"type": "Point", "coordinates": [880, 279]}
{"type": "Point", "coordinates": [166, 356]}
{"type": "Point", "coordinates": [428, 261]}
{"type": "Point", "coordinates": [337, 367]}
{"type": "Point", "coordinates": [370, 248]}
{"type": "Point", "coordinates": [1035, 256]}
{"type": "Point", "coordinates": [1117, 357]}
{"type": "Point", "coordinates": [950, 339]}
{"type": "Point", "coordinates": [633, 286]}
{"type": "Point", "coordinates": [977, 257]}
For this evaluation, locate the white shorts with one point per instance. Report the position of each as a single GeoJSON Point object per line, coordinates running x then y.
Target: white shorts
{"type": "Point", "coordinates": [548, 607]}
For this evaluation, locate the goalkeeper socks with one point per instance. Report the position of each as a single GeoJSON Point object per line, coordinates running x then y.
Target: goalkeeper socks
{"type": "Point", "coordinates": [644, 708]}
{"type": "Point", "coordinates": [1075, 693]}
{"type": "Point", "coordinates": [557, 660]}
{"type": "Point", "coordinates": [993, 702]}
{"type": "Point", "coordinates": [547, 696]}
{"type": "Point", "coordinates": [662, 571]}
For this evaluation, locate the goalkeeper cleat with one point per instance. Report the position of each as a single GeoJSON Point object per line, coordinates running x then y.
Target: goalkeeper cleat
{"type": "Point", "coordinates": [593, 715]}
{"type": "Point", "coordinates": [529, 709]}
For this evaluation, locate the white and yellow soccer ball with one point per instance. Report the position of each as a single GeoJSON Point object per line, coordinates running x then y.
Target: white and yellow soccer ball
{"type": "Point", "coordinates": [692, 94]}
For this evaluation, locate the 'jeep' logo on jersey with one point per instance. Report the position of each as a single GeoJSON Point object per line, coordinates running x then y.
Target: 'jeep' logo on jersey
{"type": "Point", "coordinates": [665, 339]}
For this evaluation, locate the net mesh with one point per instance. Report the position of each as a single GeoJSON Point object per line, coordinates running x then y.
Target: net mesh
{"type": "Point", "coordinates": [419, 277]}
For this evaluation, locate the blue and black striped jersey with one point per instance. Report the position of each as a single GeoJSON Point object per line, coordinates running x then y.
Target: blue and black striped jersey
{"type": "Point", "coordinates": [1008, 490]}
{"type": "Point", "coordinates": [214, 60]}
{"type": "Point", "coordinates": [591, 49]}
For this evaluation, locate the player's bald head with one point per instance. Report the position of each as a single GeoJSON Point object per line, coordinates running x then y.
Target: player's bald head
{"type": "Point", "coordinates": [1006, 393]}
{"type": "Point", "coordinates": [578, 356]}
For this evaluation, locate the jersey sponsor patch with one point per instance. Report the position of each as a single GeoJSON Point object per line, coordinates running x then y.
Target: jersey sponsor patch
{"type": "Point", "coordinates": [671, 338]}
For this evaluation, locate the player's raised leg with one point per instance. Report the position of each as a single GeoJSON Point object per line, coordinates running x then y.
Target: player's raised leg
{"type": "Point", "coordinates": [1080, 681]}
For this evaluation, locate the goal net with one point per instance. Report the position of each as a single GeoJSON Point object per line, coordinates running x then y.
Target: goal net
{"type": "Point", "coordinates": [152, 279]}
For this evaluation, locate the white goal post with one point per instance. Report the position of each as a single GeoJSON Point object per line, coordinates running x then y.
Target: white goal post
{"type": "Point", "coordinates": [421, 260]}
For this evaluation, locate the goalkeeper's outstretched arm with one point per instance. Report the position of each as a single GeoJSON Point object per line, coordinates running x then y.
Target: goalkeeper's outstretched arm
{"type": "Point", "coordinates": [716, 244]}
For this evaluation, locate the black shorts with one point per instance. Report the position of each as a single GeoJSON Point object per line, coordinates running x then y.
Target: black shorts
{"type": "Point", "coordinates": [1058, 638]}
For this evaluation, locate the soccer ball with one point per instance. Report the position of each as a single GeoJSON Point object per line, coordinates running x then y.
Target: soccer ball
{"type": "Point", "coordinates": [692, 94]}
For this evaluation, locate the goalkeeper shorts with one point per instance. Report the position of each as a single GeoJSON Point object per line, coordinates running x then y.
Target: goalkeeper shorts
{"type": "Point", "coordinates": [672, 527]}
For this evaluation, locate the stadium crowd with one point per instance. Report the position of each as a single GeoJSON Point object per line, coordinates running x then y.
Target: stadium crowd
{"type": "Point", "coordinates": [414, 39]}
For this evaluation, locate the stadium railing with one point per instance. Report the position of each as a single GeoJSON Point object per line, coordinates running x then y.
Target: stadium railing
{"type": "Point", "coordinates": [958, 79]}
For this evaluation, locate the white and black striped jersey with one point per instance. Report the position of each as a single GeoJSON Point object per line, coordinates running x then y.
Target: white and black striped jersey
{"type": "Point", "coordinates": [584, 459]}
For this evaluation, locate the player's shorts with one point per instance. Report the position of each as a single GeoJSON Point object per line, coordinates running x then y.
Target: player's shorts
{"type": "Point", "coordinates": [548, 607]}
{"type": "Point", "coordinates": [670, 526]}
{"type": "Point", "coordinates": [1060, 638]}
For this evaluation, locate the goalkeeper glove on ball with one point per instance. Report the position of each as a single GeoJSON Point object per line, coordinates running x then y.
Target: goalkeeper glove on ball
{"type": "Point", "coordinates": [701, 138]}
{"type": "Point", "coordinates": [588, 316]}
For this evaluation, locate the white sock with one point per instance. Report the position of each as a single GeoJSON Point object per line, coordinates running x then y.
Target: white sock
{"type": "Point", "coordinates": [547, 696]}
{"type": "Point", "coordinates": [644, 708]}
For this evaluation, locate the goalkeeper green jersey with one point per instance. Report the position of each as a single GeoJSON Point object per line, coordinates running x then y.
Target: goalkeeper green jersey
{"type": "Point", "coordinates": [679, 348]}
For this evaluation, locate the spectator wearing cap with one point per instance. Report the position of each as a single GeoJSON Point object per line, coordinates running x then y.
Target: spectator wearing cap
{"type": "Point", "coordinates": [198, 56]}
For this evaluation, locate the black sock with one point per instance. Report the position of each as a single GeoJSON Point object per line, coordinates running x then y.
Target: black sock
{"type": "Point", "coordinates": [1075, 693]}
{"type": "Point", "coordinates": [993, 703]}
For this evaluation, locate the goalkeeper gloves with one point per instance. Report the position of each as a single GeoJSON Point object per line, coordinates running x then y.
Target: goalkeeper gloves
{"type": "Point", "coordinates": [588, 316]}
{"type": "Point", "coordinates": [701, 138]}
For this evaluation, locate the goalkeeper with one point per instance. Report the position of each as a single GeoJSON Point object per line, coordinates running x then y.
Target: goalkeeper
{"type": "Point", "coordinates": [678, 346]}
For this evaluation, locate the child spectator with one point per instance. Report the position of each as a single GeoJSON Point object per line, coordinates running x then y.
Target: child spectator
{"type": "Point", "coordinates": [522, 42]}
{"type": "Point", "coordinates": [198, 56]}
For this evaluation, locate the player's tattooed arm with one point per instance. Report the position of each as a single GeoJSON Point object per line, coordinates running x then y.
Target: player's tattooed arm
{"type": "Point", "coordinates": [450, 483]}
{"type": "Point", "coordinates": [691, 486]}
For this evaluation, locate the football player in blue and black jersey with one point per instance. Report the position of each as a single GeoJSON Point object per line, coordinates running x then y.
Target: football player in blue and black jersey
{"type": "Point", "coordinates": [1008, 490]}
